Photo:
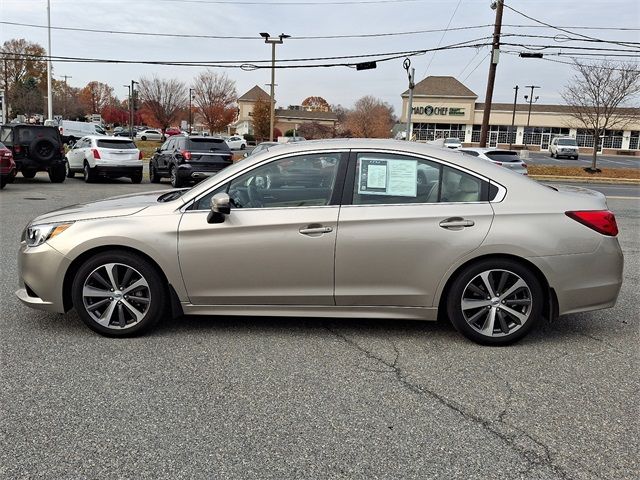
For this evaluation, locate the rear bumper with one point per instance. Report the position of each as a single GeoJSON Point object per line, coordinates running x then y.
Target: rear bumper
{"type": "Point", "coordinates": [584, 282]}
{"type": "Point", "coordinates": [193, 172]}
{"type": "Point", "coordinates": [117, 170]}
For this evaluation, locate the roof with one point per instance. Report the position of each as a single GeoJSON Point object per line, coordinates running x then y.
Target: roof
{"type": "Point", "coordinates": [254, 94]}
{"type": "Point", "coordinates": [540, 108]}
{"type": "Point", "coordinates": [441, 86]}
{"type": "Point", "coordinates": [306, 115]}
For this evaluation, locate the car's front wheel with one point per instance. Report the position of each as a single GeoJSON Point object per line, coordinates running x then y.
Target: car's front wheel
{"type": "Point", "coordinates": [495, 302]}
{"type": "Point", "coordinates": [119, 294]}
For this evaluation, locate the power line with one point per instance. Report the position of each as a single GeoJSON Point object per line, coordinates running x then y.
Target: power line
{"type": "Point", "coordinates": [624, 29]}
{"type": "Point", "coordinates": [470, 62]}
{"type": "Point", "coordinates": [294, 4]}
{"type": "Point", "coordinates": [476, 67]}
{"type": "Point", "coordinates": [442, 37]}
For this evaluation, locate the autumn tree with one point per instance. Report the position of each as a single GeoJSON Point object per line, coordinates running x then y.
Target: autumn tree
{"type": "Point", "coordinates": [261, 119]}
{"type": "Point", "coordinates": [162, 100]}
{"type": "Point", "coordinates": [316, 104]}
{"type": "Point", "coordinates": [370, 118]}
{"type": "Point", "coordinates": [66, 100]}
{"type": "Point", "coordinates": [20, 61]}
{"type": "Point", "coordinates": [215, 99]}
{"type": "Point", "coordinates": [314, 131]}
{"type": "Point", "coordinates": [341, 129]}
{"type": "Point", "coordinates": [596, 95]}
{"type": "Point", "coordinates": [96, 96]}
{"type": "Point", "coordinates": [27, 97]}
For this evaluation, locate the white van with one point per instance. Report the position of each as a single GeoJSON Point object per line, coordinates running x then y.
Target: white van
{"type": "Point", "coordinates": [72, 131]}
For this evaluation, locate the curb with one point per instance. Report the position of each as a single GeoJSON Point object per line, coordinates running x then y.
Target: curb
{"type": "Point", "coordinates": [557, 178]}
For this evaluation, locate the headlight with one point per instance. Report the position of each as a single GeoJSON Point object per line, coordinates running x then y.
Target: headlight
{"type": "Point", "coordinates": [38, 234]}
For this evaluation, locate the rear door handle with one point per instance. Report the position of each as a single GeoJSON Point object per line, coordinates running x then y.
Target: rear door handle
{"type": "Point", "coordinates": [456, 223]}
{"type": "Point", "coordinates": [315, 230]}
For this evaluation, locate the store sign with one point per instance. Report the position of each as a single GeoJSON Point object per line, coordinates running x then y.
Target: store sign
{"type": "Point", "coordinates": [431, 110]}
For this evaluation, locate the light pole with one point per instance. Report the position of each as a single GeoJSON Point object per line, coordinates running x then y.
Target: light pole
{"type": "Point", "coordinates": [273, 41]}
{"type": "Point", "coordinates": [49, 91]}
{"type": "Point", "coordinates": [513, 117]}
{"type": "Point", "coordinates": [531, 101]}
{"type": "Point", "coordinates": [132, 96]}
{"type": "Point", "coordinates": [129, 97]}
{"type": "Point", "coordinates": [190, 114]}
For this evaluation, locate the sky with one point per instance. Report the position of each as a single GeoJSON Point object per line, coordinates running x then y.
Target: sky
{"type": "Point", "coordinates": [339, 85]}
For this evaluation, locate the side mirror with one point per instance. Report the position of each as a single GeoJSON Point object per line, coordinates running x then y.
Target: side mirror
{"type": "Point", "coordinates": [220, 206]}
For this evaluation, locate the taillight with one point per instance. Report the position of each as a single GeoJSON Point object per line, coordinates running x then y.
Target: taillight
{"type": "Point", "coordinates": [524, 165]}
{"type": "Point", "coordinates": [186, 154]}
{"type": "Point", "coordinates": [602, 221]}
{"type": "Point", "coordinates": [17, 148]}
{"type": "Point", "coordinates": [140, 155]}
{"type": "Point", "coordinates": [96, 153]}
{"type": "Point", "coordinates": [498, 163]}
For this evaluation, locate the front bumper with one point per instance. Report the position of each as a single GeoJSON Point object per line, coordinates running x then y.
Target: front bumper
{"type": "Point", "coordinates": [41, 276]}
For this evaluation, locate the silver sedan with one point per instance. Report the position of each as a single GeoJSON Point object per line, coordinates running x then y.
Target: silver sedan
{"type": "Point", "coordinates": [336, 228]}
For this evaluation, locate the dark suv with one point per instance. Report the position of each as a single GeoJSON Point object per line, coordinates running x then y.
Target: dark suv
{"type": "Point", "coordinates": [35, 148]}
{"type": "Point", "coordinates": [188, 160]}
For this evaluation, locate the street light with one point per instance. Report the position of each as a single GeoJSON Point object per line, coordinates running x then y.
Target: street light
{"type": "Point", "coordinates": [273, 41]}
{"type": "Point", "coordinates": [190, 114]}
{"type": "Point", "coordinates": [132, 93]}
{"type": "Point", "coordinates": [129, 89]}
{"type": "Point", "coordinates": [531, 101]}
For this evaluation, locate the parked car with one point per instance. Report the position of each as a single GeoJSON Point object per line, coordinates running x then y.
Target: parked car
{"type": "Point", "coordinates": [7, 166]}
{"type": "Point", "coordinates": [493, 251]}
{"type": "Point", "coordinates": [124, 133]}
{"type": "Point", "coordinates": [35, 148]}
{"type": "Point", "coordinates": [261, 147]}
{"type": "Point", "coordinates": [149, 135]}
{"type": "Point", "coordinates": [290, 139]}
{"type": "Point", "coordinates": [506, 158]}
{"type": "Point", "coordinates": [117, 130]}
{"type": "Point", "coordinates": [236, 142]}
{"type": "Point", "coordinates": [111, 157]}
{"type": "Point", "coordinates": [564, 147]}
{"type": "Point", "coordinates": [171, 131]}
{"type": "Point", "coordinates": [189, 159]}
{"type": "Point", "coordinates": [452, 142]}
{"type": "Point", "coordinates": [71, 130]}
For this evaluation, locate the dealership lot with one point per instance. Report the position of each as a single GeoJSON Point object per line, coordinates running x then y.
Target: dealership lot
{"type": "Point", "coordinates": [286, 398]}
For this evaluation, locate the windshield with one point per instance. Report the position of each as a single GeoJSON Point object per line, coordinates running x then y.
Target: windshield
{"type": "Point", "coordinates": [452, 140]}
{"type": "Point", "coordinates": [567, 141]}
{"type": "Point", "coordinates": [503, 156]}
{"type": "Point", "coordinates": [207, 145]}
{"type": "Point", "coordinates": [116, 144]}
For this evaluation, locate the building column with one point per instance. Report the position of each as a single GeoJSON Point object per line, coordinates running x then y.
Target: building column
{"type": "Point", "coordinates": [626, 137]}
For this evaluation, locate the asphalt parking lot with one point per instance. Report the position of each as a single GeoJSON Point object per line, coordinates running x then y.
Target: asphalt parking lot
{"type": "Point", "coordinates": [603, 161]}
{"type": "Point", "coordinates": [276, 398]}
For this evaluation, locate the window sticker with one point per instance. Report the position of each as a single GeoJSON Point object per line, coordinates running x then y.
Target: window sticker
{"type": "Point", "coordinates": [388, 177]}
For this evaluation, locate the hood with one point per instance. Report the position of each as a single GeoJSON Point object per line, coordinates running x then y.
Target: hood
{"type": "Point", "coordinates": [109, 207]}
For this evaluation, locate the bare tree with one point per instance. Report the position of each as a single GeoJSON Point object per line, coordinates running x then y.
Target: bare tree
{"type": "Point", "coordinates": [314, 131]}
{"type": "Point", "coordinates": [95, 96]}
{"type": "Point", "coordinates": [261, 119]}
{"type": "Point", "coordinates": [370, 118]}
{"type": "Point", "coordinates": [596, 96]}
{"type": "Point", "coordinates": [163, 100]}
{"type": "Point", "coordinates": [215, 99]}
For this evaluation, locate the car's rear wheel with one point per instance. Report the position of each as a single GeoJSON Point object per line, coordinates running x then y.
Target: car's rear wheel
{"type": "Point", "coordinates": [153, 174]}
{"type": "Point", "coordinates": [175, 180]}
{"type": "Point", "coordinates": [89, 175]}
{"type": "Point", "coordinates": [29, 173]}
{"type": "Point", "coordinates": [550, 153]}
{"type": "Point", "coordinates": [495, 302]}
{"type": "Point", "coordinates": [136, 177]}
{"type": "Point", "coordinates": [119, 294]}
{"type": "Point", "coordinates": [143, 138]}
{"type": "Point", "coordinates": [242, 146]}
{"type": "Point", "coordinates": [57, 173]}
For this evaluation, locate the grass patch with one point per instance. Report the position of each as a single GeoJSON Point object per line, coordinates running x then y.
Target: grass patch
{"type": "Point", "coordinates": [579, 172]}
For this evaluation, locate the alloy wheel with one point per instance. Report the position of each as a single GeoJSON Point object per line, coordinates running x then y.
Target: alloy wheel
{"type": "Point", "coordinates": [496, 303]}
{"type": "Point", "coordinates": [116, 296]}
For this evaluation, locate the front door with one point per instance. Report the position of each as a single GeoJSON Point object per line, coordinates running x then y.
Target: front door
{"type": "Point", "coordinates": [409, 220]}
{"type": "Point", "coordinates": [493, 139]}
{"type": "Point", "coordinates": [544, 143]}
{"type": "Point", "coordinates": [277, 245]}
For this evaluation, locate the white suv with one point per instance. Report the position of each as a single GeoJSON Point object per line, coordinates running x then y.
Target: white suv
{"type": "Point", "coordinates": [564, 147]}
{"type": "Point", "coordinates": [111, 157]}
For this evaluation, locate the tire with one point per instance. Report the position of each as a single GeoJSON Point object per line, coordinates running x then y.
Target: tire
{"type": "Point", "coordinates": [70, 173]}
{"type": "Point", "coordinates": [550, 153]}
{"type": "Point", "coordinates": [575, 157]}
{"type": "Point", "coordinates": [57, 173]}
{"type": "Point", "coordinates": [143, 138]}
{"type": "Point", "coordinates": [153, 174]}
{"type": "Point", "coordinates": [3, 182]}
{"type": "Point", "coordinates": [89, 174]}
{"type": "Point", "coordinates": [121, 312]}
{"type": "Point", "coordinates": [136, 177]}
{"type": "Point", "coordinates": [29, 173]}
{"type": "Point", "coordinates": [42, 150]}
{"type": "Point", "coordinates": [243, 146]}
{"type": "Point", "coordinates": [175, 181]}
{"type": "Point", "coordinates": [514, 315]}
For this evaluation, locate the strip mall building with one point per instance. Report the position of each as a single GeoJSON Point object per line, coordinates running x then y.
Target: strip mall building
{"type": "Point", "coordinates": [443, 107]}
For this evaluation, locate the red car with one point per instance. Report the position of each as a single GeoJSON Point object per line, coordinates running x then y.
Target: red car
{"type": "Point", "coordinates": [172, 131]}
{"type": "Point", "coordinates": [7, 166]}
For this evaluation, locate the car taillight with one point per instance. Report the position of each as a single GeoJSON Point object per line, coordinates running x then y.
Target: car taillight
{"type": "Point", "coordinates": [186, 155]}
{"type": "Point", "coordinates": [17, 148]}
{"type": "Point", "coordinates": [498, 163]}
{"type": "Point", "coordinates": [96, 153]}
{"type": "Point", "coordinates": [140, 155]}
{"type": "Point", "coordinates": [524, 165]}
{"type": "Point", "coordinates": [602, 221]}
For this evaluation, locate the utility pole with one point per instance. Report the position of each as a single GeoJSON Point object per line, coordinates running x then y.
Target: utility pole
{"type": "Point", "coordinates": [513, 117]}
{"type": "Point", "coordinates": [273, 41]}
{"type": "Point", "coordinates": [495, 53]}
{"type": "Point", "coordinates": [64, 96]}
{"type": "Point", "coordinates": [531, 101]}
{"type": "Point", "coordinates": [190, 114]}
{"type": "Point", "coordinates": [411, 74]}
{"type": "Point", "coordinates": [132, 91]}
{"type": "Point", "coordinates": [49, 92]}
{"type": "Point", "coordinates": [129, 97]}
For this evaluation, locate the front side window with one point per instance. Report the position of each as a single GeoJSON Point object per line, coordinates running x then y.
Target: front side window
{"type": "Point", "coordinates": [389, 179]}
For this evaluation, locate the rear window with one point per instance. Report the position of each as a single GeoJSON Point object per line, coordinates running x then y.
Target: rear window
{"type": "Point", "coordinates": [503, 156]}
{"type": "Point", "coordinates": [207, 145]}
{"type": "Point", "coordinates": [567, 141]}
{"type": "Point", "coordinates": [28, 134]}
{"type": "Point", "coordinates": [116, 144]}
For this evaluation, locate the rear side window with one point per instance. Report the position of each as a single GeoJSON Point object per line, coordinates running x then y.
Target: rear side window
{"type": "Point", "coordinates": [207, 145]}
{"type": "Point", "coordinates": [5, 135]}
{"type": "Point", "coordinates": [121, 144]}
{"type": "Point", "coordinates": [503, 156]}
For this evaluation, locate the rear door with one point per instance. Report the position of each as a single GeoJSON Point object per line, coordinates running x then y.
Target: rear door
{"type": "Point", "coordinates": [404, 221]}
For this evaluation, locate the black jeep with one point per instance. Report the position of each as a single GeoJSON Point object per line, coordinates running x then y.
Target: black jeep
{"type": "Point", "coordinates": [35, 148]}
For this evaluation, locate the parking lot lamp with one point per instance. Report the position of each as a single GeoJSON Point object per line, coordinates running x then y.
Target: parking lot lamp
{"type": "Point", "coordinates": [273, 41]}
{"type": "Point", "coordinates": [132, 91]}
{"type": "Point", "coordinates": [531, 101]}
{"type": "Point", "coordinates": [190, 113]}
{"type": "Point", "coordinates": [129, 97]}
{"type": "Point", "coordinates": [49, 90]}
{"type": "Point", "coordinates": [513, 117]}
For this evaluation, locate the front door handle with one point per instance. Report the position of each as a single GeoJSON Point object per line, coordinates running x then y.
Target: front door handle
{"type": "Point", "coordinates": [456, 223]}
{"type": "Point", "coordinates": [315, 229]}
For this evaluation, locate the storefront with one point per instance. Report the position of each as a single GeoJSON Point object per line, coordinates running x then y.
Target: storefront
{"type": "Point", "coordinates": [443, 107]}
